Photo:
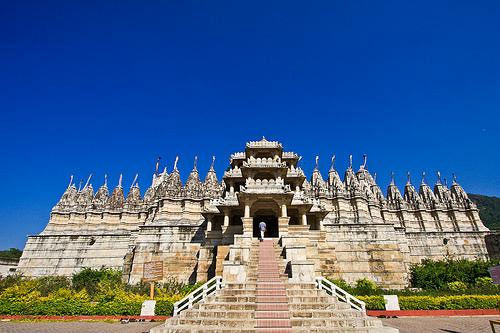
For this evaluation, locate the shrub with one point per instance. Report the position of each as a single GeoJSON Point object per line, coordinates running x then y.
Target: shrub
{"type": "Point", "coordinates": [449, 302]}
{"type": "Point", "coordinates": [457, 286]}
{"type": "Point", "coordinates": [89, 279]}
{"type": "Point", "coordinates": [51, 284]}
{"type": "Point", "coordinates": [373, 302]}
{"type": "Point", "coordinates": [341, 283]}
{"type": "Point", "coordinates": [366, 287]}
{"type": "Point", "coordinates": [437, 274]}
{"type": "Point", "coordinates": [9, 281]}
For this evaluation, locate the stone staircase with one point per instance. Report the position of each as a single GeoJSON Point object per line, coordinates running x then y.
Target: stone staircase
{"type": "Point", "coordinates": [269, 303]}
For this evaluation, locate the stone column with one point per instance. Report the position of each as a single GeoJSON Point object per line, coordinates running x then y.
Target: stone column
{"type": "Point", "coordinates": [283, 211]}
{"type": "Point", "coordinates": [304, 219]}
{"type": "Point", "coordinates": [247, 210]}
{"type": "Point", "coordinates": [209, 223]}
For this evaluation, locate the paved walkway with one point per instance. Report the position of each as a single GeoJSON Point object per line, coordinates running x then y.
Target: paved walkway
{"type": "Point", "coordinates": [441, 324]}
{"type": "Point", "coordinates": [75, 327]}
{"type": "Point", "coordinates": [405, 325]}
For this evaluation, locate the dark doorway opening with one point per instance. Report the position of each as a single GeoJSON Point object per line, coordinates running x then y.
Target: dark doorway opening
{"type": "Point", "coordinates": [271, 226]}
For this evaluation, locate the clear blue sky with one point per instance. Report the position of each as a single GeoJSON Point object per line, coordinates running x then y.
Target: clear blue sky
{"type": "Point", "coordinates": [106, 86]}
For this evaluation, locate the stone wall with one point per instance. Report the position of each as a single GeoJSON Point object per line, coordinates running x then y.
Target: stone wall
{"type": "Point", "coordinates": [67, 254]}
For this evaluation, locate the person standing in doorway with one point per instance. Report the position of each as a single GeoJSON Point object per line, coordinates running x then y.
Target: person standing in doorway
{"type": "Point", "coordinates": [262, 228]}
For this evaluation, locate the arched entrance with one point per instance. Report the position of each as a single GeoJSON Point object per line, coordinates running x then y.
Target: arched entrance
{"type": "Point", "coordinates": [267, 212]}
{"type": "Point", "coordinates": [271, 221]}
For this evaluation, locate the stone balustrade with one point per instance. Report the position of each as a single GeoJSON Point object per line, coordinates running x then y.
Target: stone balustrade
{"type": "Point", "coordinates": [233, 173]}
{"type": "Point", "coordinates": [264, 163]}
{"type": "Point", "coordinates": [265, 186]}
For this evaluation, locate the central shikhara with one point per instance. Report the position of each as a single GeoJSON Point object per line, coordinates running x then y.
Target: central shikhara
{"type": "Point", "coordinates": [326, 227]}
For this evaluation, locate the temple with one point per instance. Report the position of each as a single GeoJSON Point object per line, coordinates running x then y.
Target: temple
{"type": "Point", "coordinates": [326, 226]}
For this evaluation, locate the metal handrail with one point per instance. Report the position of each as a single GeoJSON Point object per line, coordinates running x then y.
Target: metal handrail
{"type": "Point", "coordinates": [198, 295]}
{"type": "Point", "coordinates": [334, 290]}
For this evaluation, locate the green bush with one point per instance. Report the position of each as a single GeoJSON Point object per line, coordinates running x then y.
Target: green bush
{"type": "Point", "coordinates": [449, 302]}
{"type": "Point", "coordinates": [373, 302]}
{"type": "Point", "coordinates": [437, 274]}
{"type": "Point", "coordinates": [341, 283]}
{"type": "Point", "coordinates": [366, 287]}
{"type": "Point", "coordinates": [457, 286]}
{"type": "Point", "coordinates": [89, 279]}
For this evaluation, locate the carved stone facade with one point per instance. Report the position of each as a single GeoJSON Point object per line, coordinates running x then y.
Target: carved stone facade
{"type": "Point", "coordinates": [331, 227]}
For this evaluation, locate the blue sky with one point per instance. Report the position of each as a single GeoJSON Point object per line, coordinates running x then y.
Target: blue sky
{"type": "Point", "coordinates": [106, 86]}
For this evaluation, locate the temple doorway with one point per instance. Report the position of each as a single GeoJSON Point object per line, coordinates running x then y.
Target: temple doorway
{"type": "Point", "coordinates": [271, 223]}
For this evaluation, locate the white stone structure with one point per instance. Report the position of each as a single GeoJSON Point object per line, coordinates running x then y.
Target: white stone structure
{"type": "Point", "coordinates": [330, 227]}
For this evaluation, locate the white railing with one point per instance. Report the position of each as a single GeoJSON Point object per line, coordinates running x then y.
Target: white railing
{"type": "Point", "coordinates": [198, 295]}
{"type": "Point", "coordinates": [333, 290]}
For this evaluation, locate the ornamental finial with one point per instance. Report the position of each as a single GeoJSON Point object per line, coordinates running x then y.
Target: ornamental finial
{"type": "Point", "coordinates": [120, 180]}
{"type": "Point", "coordinates": [332, 167]}
{"type": "Point", "coordinates": [439, 177]}
{"type": "Point", "coordinates": [135, 179]}
{"type": "Point", "coordinates": [375, 177]}
{"type": "Point", "coordinates": [317, 160]}
{"type": "Point", "coordinates": [364, 161]}
{"type": "Point", "coordinates": [175, 163]}
{"type": "Point", "coordinates": [392, 178]}
{"type": "Point", "coordinates": [157, 165]}
{"type": "Point", "coordinates": [195, 163]}
{"type": "Point", "coordinates": [454, 178]}
{"type": "Point", "coordinates": [213, 162]}
{"type": "Point", "coordinates": [408, 178]}
{"type": "Point", "coordinates": [88, 181]}
{"type": "Point", "coordinates": [350, 161]}
{"type": "Point", "coordinates": [80, 185]}
{"type": "Point", "coordinates": [70, 181]}
{"type": "Point", "coordinates": [105, 180]}
{"type": "Point", "coordinates": [423, 177]}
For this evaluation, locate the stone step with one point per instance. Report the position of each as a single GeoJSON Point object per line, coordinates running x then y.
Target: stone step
{"type": "Point", "coordinates": [273, 323]}
{"type": "Point", "coordinates": [220, 322]}
{"type": "Point", "coordinates": [308, 306]}
{"type": "Point", "coordinates": [218, 313]}
{"type": "Point", "coordinates": [272, 314]}
{"type": "Point", "coordinates": [335, 322]}
{"type": "Point", "coordinates": [320, 313]}
{"type": "Point", "coordinates": [197, 329]}
{"type": "Point", "coordinates": [228, 306]}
